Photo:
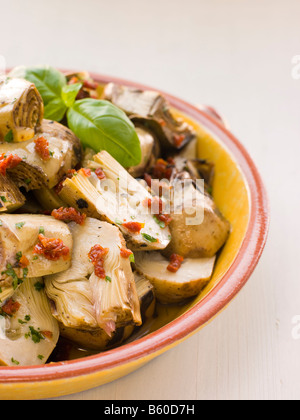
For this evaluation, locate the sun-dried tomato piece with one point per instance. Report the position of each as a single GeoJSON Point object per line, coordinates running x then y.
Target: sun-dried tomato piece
{"type": "Point", "coordinates": [42, 148]}
{"type": "Point", "coordinates": [165, 218]}
{"type": "Point", "coordinates": [178, 139]}
{"type": "Point", "coordinates": [125, 253]}
{"type": "Point", "coordinates": [47, 334]}
{"type": "Point", "coordinates": [134, 227]}
{"type": "Point", "coordinates": [69, 174]}
{"type": "Point", "coordinates": [163, 169]}
{"type": "Point", "coordinates": [97, 255]}
{"type": "Point", "coordinates": [86, 172]}
{"type": "Point", "coordinates": [73, 80]}
{"type": "Point", "coordinates": [9, 161]}
{"type": "Point", "coordinates": [51, 248]}
{"type": "Point", "coordinates": [10, 307]}
{"type": "Point", "coordinates": [148, 179]}
{"type": "Point", "coordinates": [23, 262]}
{"type": "Point", "coordinates": [89, 84]}
{"type": "Point", "coordinates": [69, 214]}
{"type": "Point", "coordinates": [100, 174]}
{"type": "Point", "coordinates": [175, 263]}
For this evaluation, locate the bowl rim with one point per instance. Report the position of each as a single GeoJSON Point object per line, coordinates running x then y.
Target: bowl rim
{"type": "Point", "coordinates": [203, 311]}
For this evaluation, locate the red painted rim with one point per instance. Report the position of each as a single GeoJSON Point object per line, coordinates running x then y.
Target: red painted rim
{"type": "Point", "coordinates": [231, 283]}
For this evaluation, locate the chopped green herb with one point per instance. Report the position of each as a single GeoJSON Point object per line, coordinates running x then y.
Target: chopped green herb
{"type": "Point", "coordinates": [41, 230]}
{"type": "Point", "coordinates": [39, 286]}
{"type": "Point", "coordinates": [149, 238]}
{"type": "Point", "coordinates": [15, 362]}
{"type": "Point", "coordinates": [35, 335]}
{"type": "Point", "coordinates": [107, 278]}
{"type": "Point", "coordinates": [20, 225]}
{"type": "Point", "coordinates": [25, 273]}
{"type": "Point", "coordinates": [26, 319]}
{"type": "Point", "coordinates": [159, 222]}
{"type": "Point", "coordinates": [10, 272]}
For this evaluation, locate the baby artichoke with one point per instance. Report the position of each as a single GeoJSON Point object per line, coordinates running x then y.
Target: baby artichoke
{"type": "Point", "coordinates": [21, 109]}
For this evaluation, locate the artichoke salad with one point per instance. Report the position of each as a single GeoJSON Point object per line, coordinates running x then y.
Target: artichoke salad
{"type": "Point", "coordinates": [94, 226]}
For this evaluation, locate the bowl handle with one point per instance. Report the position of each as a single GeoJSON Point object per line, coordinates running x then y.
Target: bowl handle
{"type": "Point", "coordinates": [209, 110]}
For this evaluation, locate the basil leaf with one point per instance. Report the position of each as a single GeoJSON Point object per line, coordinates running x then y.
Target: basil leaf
{"type": "Point", "coordinates": [69, 93]}
{"type": "Point", "coordinates": [102, 126]}
{"type": "Point", "coordinates": [49, 82]}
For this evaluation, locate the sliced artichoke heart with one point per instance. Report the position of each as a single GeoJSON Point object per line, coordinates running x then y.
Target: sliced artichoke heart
{"type": "Point", "coordinates": [84, 301]}
{"type": "Point", "coordinates": [118, 199]}
{"type": "Point", "coordinates": [19, 234]}
{"type": "Point", "coordinates": [171, 287]}
{"type": "Point", "coordinates": [34, 172]}
{"type": "Point", "coordinates": [29, 334]}
{"type": "Point", "coordinates": [10, 196]}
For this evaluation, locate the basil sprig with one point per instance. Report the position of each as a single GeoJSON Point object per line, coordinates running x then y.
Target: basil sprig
{"type": "Point", "coordinates": [97, 123]}
{"type": "Point", "coordinates": [100, 124]}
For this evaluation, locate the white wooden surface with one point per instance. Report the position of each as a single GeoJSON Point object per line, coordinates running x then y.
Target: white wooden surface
{"type": "Point", "coordinates": [237, 56]}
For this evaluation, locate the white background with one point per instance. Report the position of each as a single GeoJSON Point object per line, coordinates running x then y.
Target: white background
{"type": "Point", "coordinates": [237, 56]}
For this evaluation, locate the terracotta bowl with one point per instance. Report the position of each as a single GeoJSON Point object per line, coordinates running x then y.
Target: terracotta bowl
{"type": "Point", "coordinates": [240, 194]}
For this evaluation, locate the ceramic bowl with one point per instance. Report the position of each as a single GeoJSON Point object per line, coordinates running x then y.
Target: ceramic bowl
{"type": "Point", "coordinates": [240, 194]}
